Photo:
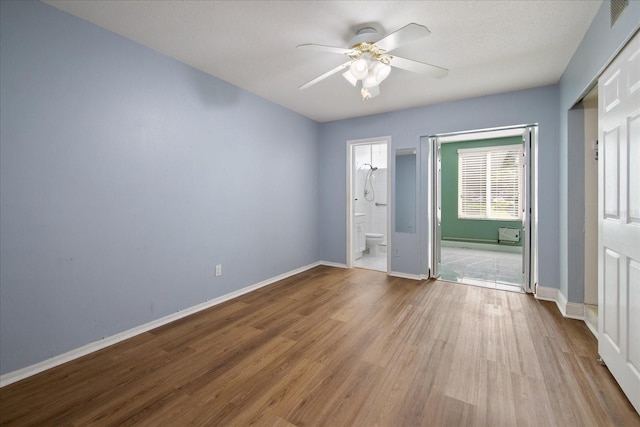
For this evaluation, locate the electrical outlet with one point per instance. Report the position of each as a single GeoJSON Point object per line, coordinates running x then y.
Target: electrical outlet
{"type": "Point", "coordinates": [396, 252]}
{"type": "Point", "coordinates": [218, 270]}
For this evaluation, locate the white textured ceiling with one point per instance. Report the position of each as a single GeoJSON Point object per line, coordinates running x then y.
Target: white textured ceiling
{"type": "Point", "coordinates": [488, 46]}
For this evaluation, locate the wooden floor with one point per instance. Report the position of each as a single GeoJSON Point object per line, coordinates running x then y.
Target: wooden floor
{"type": "Point", "coordinates": [340, 347]}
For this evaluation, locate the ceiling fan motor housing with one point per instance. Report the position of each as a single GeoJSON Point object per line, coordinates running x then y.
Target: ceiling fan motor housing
{"type": "Point", "coordinates": [365, 35]}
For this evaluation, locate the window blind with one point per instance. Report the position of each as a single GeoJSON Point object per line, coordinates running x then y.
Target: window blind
{"type": "Point", "coordinates": [490, 183]}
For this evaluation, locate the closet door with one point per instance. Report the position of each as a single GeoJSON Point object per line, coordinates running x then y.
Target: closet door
{"type": "Point", "coordinates": [619, 219]}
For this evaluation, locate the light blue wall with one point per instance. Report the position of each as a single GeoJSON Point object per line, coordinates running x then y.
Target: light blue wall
{"type": "Point", "coordinates": [531, 106]}
{"type": "Point", "coordinates": [596, 50]}
{"type": "Point", "coordinates": [125, 176]}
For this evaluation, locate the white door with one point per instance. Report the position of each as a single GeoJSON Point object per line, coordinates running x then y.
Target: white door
{"type": "Point", "coordinates": [529, 208]}
{"type": "Point", "coordinates": [436, 261]}
{"type": "Point", "coordinates": [532, 200]}
{"type": "Point", "coordinates": [526, 210]}
{"type": "Point", "coordinates": [619, 219]}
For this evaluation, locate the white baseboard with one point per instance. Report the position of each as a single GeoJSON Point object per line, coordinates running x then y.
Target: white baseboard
{"type": "Point", "coordinates": [481, 246]}
{"type": "Point", "coordinates": [332, 264]}
{"type": "Point", "coordinates": [591, 318]}
{"type": "Point", "coordinates": [571, 310]}
{"type": "Point", "coordinates": [11, 377]}
{"type": "Point", "coordinates": [405, 275]}
{"type": "Point", "coordinates": [591, 327]}
{"type": "Point", "coordinates": [546, 294]}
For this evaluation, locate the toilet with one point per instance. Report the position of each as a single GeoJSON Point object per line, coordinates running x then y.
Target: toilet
{"type": "Point", "coordinates": [372, 242]}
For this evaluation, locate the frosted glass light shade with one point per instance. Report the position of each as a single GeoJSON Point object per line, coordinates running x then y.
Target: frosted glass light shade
{"type": "Point", "coordinates": [350, 78]}
{"type": "Point", "coordinates": [370, 80]}
{"type": "Point", "coordinates": [380, 71]}
{"type": "Point", "coordinates": [359, 68]}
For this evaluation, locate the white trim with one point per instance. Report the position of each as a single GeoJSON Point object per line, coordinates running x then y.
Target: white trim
{"type": "Point", "coordinates": [331, 264]}
{"type": "Point", "coordinates": [350, 208]}
{"type": "Point", "coordinates": [390, 197]}
{"type": "Point", "coordinates": [546, 294]}
{"type": "Point", "coordinates": [570, 310]}
{"type": "Point", "coordinates": [591, 327]}
{"type": "Point", "coordinates": [478, 134]}
{"type": "Point", "coordinates": [36, 368]}
{"type": "Point", "coordinates": [591, 318]}
{"type": "Point", "coordinates": [575, 310]}
{"type": "Point", "coordinates": [405, 275]}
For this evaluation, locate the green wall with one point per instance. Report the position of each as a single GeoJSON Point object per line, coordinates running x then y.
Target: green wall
{"type": "Point", "coordinates": [468, 229]}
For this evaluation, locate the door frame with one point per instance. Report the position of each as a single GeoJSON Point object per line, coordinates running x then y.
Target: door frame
{"type": "Point", "coordinates": [589, 106]}
{"type": "Point", "coordinates": [350, 145]}
{"type": "Point", "coordinates": [529, 133]}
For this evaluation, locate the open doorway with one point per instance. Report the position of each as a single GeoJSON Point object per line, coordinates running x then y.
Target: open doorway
{"type": "Point", "coordinates": [484, 207]}
{"type": "Point", "coordinates": [590, 107]}
{"type": "Point", "coordinates": [368, 210]}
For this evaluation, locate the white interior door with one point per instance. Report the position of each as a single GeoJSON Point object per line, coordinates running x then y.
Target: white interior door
{"type": "Point", "coordinates": [619, 219]}
{"type": "Point", "coordinates": [528, 195]}
{"type": "Point", "coordinates": [436, 261]}
{"type": "Point", "coordinates": [533, 209]}
{"type": "Point", "coordinates": [526, 143]}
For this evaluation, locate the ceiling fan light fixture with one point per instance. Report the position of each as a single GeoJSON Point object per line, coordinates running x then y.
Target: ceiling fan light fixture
{"type": "Point", "coordinates": [370, 80]}
{"type": "Point", "coordinates": [370, 60]}
{"type": "Point", "coordinates": [359, 68]}
{"type": "Point", "coordinates": [350, 78]}
{"type": "Point", "coordinates": [381, 71]}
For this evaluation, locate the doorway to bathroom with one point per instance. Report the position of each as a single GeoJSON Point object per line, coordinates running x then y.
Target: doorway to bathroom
{"type": "Point", "coordinates": [368, 208]}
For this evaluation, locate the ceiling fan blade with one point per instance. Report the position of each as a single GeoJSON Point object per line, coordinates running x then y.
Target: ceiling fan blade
{"type": "Point", "coordinates": [418, 67]}
{"type": "Point", "coordinates": [404, 35]}
{"type": "Point", "coordinates": [322, 48]}
{"type": "Point", "coordinates": [325, 75]}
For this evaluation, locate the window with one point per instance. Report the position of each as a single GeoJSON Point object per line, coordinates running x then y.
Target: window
{"type": "Point", "coordinates": [490, 183]}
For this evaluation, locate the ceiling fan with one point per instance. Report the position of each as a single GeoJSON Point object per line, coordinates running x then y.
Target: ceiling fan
{"type": "Point", "coordinates": [370, 61]}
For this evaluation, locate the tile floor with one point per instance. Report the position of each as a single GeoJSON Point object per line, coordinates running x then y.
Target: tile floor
{"type": "Point", "coordinates": [490, 269]}
{"type": "Point", "coordinates": [378, 262]}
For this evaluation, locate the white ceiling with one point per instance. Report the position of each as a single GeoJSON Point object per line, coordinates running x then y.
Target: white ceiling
{"type": "Point", "coordinates": [488, 46]}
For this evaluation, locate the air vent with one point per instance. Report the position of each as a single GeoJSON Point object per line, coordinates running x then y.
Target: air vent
{"type": "Point", "coordinates": [617, 6]}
